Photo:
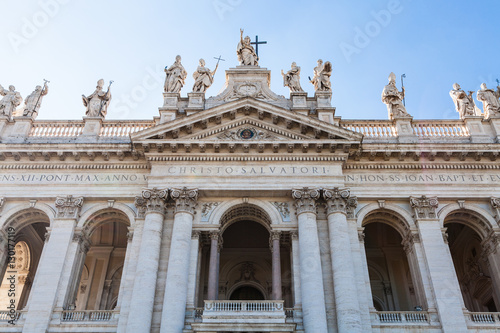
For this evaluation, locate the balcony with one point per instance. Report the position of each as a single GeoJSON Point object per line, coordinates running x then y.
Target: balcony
{"type": "Point", "coordinates": [243, 316]}
{"type": "Point", "coordinates": [483, 320]}
{"type": "Point", "coordinates": [404, 321]}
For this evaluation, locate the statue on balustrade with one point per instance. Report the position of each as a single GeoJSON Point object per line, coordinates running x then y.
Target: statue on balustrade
{"type": "Point", "coordinates": [321, 78]}
{"type": "Point", "coordinates": [176, 74]}
{"type": "Point", "coordinates": [203, 77]}
{"type": "Point", "coordinates": [11, 100]}
{"type": "Point", "coordinates": [393, 98]}
{"type": "Point", "coordinates": [97, 102]}
{"type": "Point", "coordinates": [489, 97]}
{"type": "Point", "coordinates": [464, 103]}
{"type": "Point", "coordinates": [34, 101]}
{"type": "Point", "coordinates": [292, 78]}
{"type": "Point", "coordinates": [246, 52]}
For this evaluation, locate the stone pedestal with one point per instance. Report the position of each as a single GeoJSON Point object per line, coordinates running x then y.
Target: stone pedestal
{"type": "Point", "coordinates": [495, 125]}
{"type": "Point", "coordinates": [476, 129]}
{"type": "Point", "coordinates": [22, 128]}
{"type": "Point", "coordinates": [324, 108]}
{"type": "Point", "coordinates": [196, 103]}
{"type": "Point", "coordinates": [92, 126]}
{"type": "Point", "coordinates": [168, 111]}
{"type": "Point", "coordinates": [4, 120]}
{"type": "Point", "coordinates": [404, 130]}
{"type": "Point", "coordinates": [174, 302]}
{"type": "Point", "coordinates": [299, 102]}
{"type": "Point", "coordinates": [311, 273]}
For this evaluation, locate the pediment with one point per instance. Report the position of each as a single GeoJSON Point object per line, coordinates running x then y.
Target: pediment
{"type": "Point", "coordinates": [247, 122]}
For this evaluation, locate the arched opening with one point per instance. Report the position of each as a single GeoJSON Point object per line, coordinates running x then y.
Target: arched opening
{"type": "Point", "coordinates": [471, 265]}
{"type": "Point", "coordinates": [248, 293]}
{"type": "Point", "coordinates": [103, 266]}
{"type": "Point", "coordinates": [30, 227]}
{"type": "Point", "coordinates": [389, 271]}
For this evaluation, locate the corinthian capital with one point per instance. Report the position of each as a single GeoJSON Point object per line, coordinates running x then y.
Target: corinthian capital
{"type": "Point", "coordinates": [69, 206]}
{"type": "Point", "coordinates": [151, 200]}
{"type": "Point", "coordinates": [424, 207]}
{"type": "Point", "coordinates": [185, 199]}
{"type": "Point", "coordinates": [340, 201]}
{"type": "Point", "coordinates": [305, 199]}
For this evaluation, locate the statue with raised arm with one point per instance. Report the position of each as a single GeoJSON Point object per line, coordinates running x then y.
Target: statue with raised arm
{"type": "Point", "coordinates": [464, 103]}
{"type": "Point", "coordinates": [175, 76]}
{"type": "Point", "coordinates": [11, 100]}
{"type": "Point", "coordinates": [321, 78]}
{"type": "Point", "coordinates": [394, 99]}
{"type": "Point", "coordinates": [292, 78]}
{"type": "Point", "coordinates": [489, 97]}
{"type": "Point", "coordinates": [97, 102]}
{"type": "Point", "coordinates": [34, 101]}
{"type": "Point", "coordinates": [203, 77]}
{"type": "Point", "coordinates": [246, 52]}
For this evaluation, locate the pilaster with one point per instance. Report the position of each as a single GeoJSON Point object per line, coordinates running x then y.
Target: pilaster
{"type": "Point", "coordinates": [442, 276]}
{"type": "Point", "coordinates": [311, 275]}
{"type": "Point", "coordinates": [51, 266]}
{"type": "Point", "coordinates": [153, 203]}
{"type": "Point", "coordinates": [176, 287]}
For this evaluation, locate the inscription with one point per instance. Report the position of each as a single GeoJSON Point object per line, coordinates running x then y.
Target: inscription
{"type": "Point", "coordinates": [74, 178]}
{"type": "Point", "coordinates": [247, 170]}
{"type": "Point", "coordinates": [424, 179]}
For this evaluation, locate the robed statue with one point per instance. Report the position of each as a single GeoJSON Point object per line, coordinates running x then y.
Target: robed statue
{"type": "Point", "coordinates": [464, 103]}
{"type": "Point", "coordinates": [175, 76]}
{"type": "Point", "coordinates": [34, 101]}
{"type": "Point", "coordinates": [246, 52]}
{"type": "Point", "coordinates": [10, 101]}
{"type": "Point", "coordinates": [291, 79]}
{"type": "Point", "coordinates": [203, 77]}
{"type": "Point", "coordinates": [393, 98]}
{"type": "Point", "coordinates": [489, 97]}
{"type": "Point", "coordinates": [321, 78]}
{"type": "Point", "coordinates": [97, 102]}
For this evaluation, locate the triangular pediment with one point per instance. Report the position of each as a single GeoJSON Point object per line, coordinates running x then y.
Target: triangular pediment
{"type": "Point", "coordinates": [247, 122]}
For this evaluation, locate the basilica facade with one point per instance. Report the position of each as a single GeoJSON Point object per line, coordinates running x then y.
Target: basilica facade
{"type": "Point", "coordinates": [250, 212]}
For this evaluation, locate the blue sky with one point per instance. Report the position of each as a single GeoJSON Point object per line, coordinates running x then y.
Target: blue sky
{"type": "Point", "coordinates": [74, 43]}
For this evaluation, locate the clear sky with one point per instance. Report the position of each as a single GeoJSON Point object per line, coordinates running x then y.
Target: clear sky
{"type": "Point", "coordinates": [73, 43]}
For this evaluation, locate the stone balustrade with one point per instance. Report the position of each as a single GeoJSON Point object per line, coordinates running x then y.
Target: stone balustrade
{"type": "Point", "coordinates": [6, 316]}
{"type": "Point", "coordinates": [73, 128]}
{"type": "Point", "coordinates": [88, 315]}
{"type": "Point", "coordinates": [483, 319]}
{"type": "Point", "coordinates": [243, 312]}
{"type": "Point", "coordinates": [418, 317]}
{"type": "Point", "coordinates": [251, 306]}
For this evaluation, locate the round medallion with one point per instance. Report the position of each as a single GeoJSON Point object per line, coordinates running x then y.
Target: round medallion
{"type": "Point", "coordinates": [246, 133]}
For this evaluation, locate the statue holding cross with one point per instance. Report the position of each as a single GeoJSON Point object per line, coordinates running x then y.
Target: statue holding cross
{"type": "Point", "coordinates": [246, 52]}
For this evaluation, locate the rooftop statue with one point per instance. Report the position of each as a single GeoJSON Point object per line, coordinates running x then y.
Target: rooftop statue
{"type": "Point", "coordinates": [176, 74]}
{"type": "Point", "coordinates": [203, 77]}
{"type": "Point", "coordinates": [246, 52]}
{"type": "Point", "coordinates": [292, 78]}
{"type": "Point", "coordinates": [489, 97]}
{"type": "Point", "coordinates": [464, 103]}
{"type": "Point", "coordinates": [34, 101]}
{"type": "Point", "coordinates": [97, 102]}
{"type": "Point", "coordinates": [394, 99]}
{"type": "Point", "coordinates": [321, 78]}
{"type": "Point", "coordinates": [11, 100]}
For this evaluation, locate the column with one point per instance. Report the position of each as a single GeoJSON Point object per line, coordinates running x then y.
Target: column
{"type": "Point", "coordinates": [176, 287]}
{"type": "Point", "coordinates": [339, 201]}
{"type": "Point", "coordinates": [50, 268]}
{"type": "Point", "coordinates": [490, 246]}
{"type": "Point", "coordinates": [449, 301]}
{"type": "Point", "coordinates": [311, 275]}
{"type": "Point", "coordinates": [193, 270]}
{"type": "Point", "coordinates": [296, 270]}
{"type": "Point", "coordinates": [152, 201]}
{"type": "Point", "coordinates": [276, 262]}
{"type": "Point", "coordinates": [213, 268]}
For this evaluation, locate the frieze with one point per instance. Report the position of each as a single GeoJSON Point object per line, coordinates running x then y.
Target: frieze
{"type": "Point", "coordinates": [73, 178]}
{"type": "Point", "coordinates": [419, 178]}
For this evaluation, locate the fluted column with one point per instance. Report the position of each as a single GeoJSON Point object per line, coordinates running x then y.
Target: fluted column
{"type": "Point", "coordinates": [449, 300]}
{"type": "Point", "coordinates": [176, 287]}
{"type": "Point", "coordinates": [276, 263]}
{"type": "Point", "coordinates": [311, 275]}
{"type": "Point", "coordinates": [152, 203]}
{"type": "Point", "coordinates": [338, 203]}
{"type": "Point", "coordinates": [51, 265]}
{"type": "Point", "coordinates": [213, 268]}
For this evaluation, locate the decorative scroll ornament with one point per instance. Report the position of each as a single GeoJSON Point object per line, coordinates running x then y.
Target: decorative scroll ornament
{"type": "Point", "coordinates": [305, 200]}
{"type": "Point", "coordinates": [340, 201]}
{"type": "Point", "coordinates": [185, 199]}
{"type": "Point", "coordinates": [82, 240]}
{"type": "Point", "coordinates": [425, 207]}
{"type": "Point", "coordinates": [69, 206]}
{"type": "Point", "coordinates": [151, 200]}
